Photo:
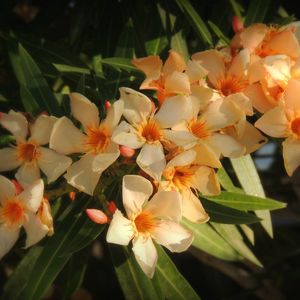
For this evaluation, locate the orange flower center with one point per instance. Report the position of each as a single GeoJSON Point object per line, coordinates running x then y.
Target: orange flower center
{"type": "Point", "coordinates": [144, 222]}
{"type": "Point", "coordinates": [12, 213]}
{"type": "Point", "coordinates": [295, 126]}
{"type": "Point", "coordinates": [199, 129]}
{"type": "Point", "coordinates": [151, 131]}
{"type": "Point", "coordinates": [181, 177]}
{"type": "Point", "coordinates": [28, 152]}
{"type": "Point", "coordinates": [98, 139]}
{"type": "Point", "coordinates": [231, 84]}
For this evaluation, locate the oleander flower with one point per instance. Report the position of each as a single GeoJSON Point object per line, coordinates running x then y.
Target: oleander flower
{"type": "Point", "coordinates": [170, 79]}
{"type": "Point", "coordinates": [28, 154]}
{"type": "Point", "coordinates": [283, 121]}
{"type": "Point", "coordinates": [149, 131]}
{"type": "Point", "coordinates": [96, 145]}
{"type": "Point", "coordinates": [19, 210]}
{"type": "Point", "coordinates": [156, 219]}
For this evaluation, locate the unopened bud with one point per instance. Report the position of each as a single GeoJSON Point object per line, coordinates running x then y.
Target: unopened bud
{"type": "Point", "coordinates": [126, 151]}
{"type": "Point", "coordinates": [107, 105]}
{"type": "Point", "coordinates": [237, 24]}
{"type": "Point", "coordinates": [18, 187]}
{"type": "Point", "coordinates": [72, 196]}
{"type": "Point", "coordinates": [97, 216]}
{"type": "Point", "coordinates": [111, 207]}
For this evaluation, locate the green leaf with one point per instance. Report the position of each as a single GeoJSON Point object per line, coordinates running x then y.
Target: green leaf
{"type": "Point", "coordinates": [249, 233]}
{"type": "Point", "coordinates": [52, 259]}
{"type": "Point", "coordinates": [245, 202]}
{"type": "Point", "coordinates": [14, 286]}
{"type": "Point", "coordinates": [226, 182]}
{"type": "Point", "coordinates": [134, 283]}
{"type": "Point", "coordinates": [237, 8]}
{"type": "Point", "coordinates": [223, 214]}
{"type": "Point", "coordinates": [173, 284]}
{"type": "Point", "coordinates": [28, 100]}
{"type": "Point", "coordinates": [250, 182]}
{"type": "Point", "coordinates": [36, 84]}
{"type": "Point", "coordinates": [157, 45]}
{"type": "Point", "coordinates": [6, 139]}
{"type": "Point", "coordinates": [218, 32]}
{"type": "Point", "coordinates": [208, 240]}
{"type": "Point", "coordinates": [119, 63]}
{"type": "Point", "coordinates": [231, 234]}
{"type": "Point", "coordinates": [71, 69]}
{"type": "Point", "coordinates": [256, 11]}
{"type": "Point", "coordinates": [195, 20]}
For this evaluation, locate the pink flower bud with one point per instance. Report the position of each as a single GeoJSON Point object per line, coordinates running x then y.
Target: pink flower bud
{"type": "Point", "coordinates": [97, 216]}
{"type": "Point", "coordinates": [107, 105]}
{"type": "Point", "coordinates": [237, 24]}
{"type": "Point", "coordinates": [126, 151]}
{"type": "Point", "coordinates": [111, 207]}
{"type": "Point", "coordinates": [72, 196]}
{"type": "Point", "coordinates": [18, 187]}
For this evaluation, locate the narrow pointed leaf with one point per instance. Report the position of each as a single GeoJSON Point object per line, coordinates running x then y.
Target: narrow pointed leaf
{"type": "Point", "coordinates": [256, 11]}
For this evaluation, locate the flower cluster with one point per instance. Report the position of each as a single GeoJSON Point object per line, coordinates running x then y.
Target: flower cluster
{"type": "Point", "coordinates": [175, 141]}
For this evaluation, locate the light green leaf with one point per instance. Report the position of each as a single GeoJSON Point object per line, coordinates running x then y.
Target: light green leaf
{"type": "Point", "coordinates": [226, 182]}
{"type": "Point", "coordinates": [231, 234]}
{"type": "Point", "coordinates": [179, 44]}
{"type": "Point", "coordinates": [245, 202]}
{"type": "Point", "coordinates": [157, 45]}
{"type": "Point", "coordinates": [247, 174]}
{"type": "Point", "coordinates": [208, 240]}
{"type": "Point", "coordinates": [195, 20]}
{"type": "Point", "coordinates": [223, 214]}
{"type": "Point", "coordinates": [173, 284]}
{"type": "Point", "coordinates": [249, 233]}
{"type": "Point", "coordinates": [119, 63]}
{"type": "Point", "coordinates": [134, 283]}
{"type": "Point", "coordinates": [71, 69]}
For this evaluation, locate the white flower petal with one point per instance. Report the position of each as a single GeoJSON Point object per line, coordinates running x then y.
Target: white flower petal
{"type": "Point", "coordinates": [172, 235]}
{"type": "Point", "coordinates": [120, 230]}
{"type": "Point", "coordinates": [192, 208]}
{"type": "Point", "coordinates": [145, 254]}
{"type": "Point", "coordinates": [103, 160]}
{"type": "Point", "coordinates": [183, 159]}
{"type": "Point", "coordinates": [32, 195]}
{"type": "Point", "coordinates": [53, 164]}
{"type": "Point", "coordinates": [28, 173]}
{"type": "Point", "coordinates": [42, 128]}
{"type": "Point", "coordinates": [166, 205]}
{"type": "Point", "coordinates": [8, 238]}
{"type": "Point", "coordinates": [195, 71]}
{"type": "Point", "coordinates": [291, 155]}
{"type": "Point", "coordinates": [82, 176]}
{"type": "Point", "coordinates": [8, 159]}
{"type": "Point", "coordinates": [127, 136]}
{"type": "Point", "coordinates": [242, 102]}
{"type": "Point", "coordinates": [136, 191]}
{"type": "Point", "coordinates": [35, 229]}
{"type": "Point", "coordinates": [114, 114]}
{"type": "Point", "coordinates": [66, 138]}
{"type": "Point", "coordinates": [137, 106]}
{"type": "Point", "coordinates": [16, 123]}
{"type": "Point", "coordinates": [177, 83]}
{"type": "Point", "coordinates": [181, 107]}
{"type": "Point", "coordinates": [151, 160]}
{"type": "Point", "coordinates": [179, 138]}
{"type": "Point", "coordinates": [291, 95]}
{"type": "Point", "coordinates": [206, 156]}
{"type": "Point", "coordinates": [83, 110]}
{"type": "Point", "coordinates": [7, 189]}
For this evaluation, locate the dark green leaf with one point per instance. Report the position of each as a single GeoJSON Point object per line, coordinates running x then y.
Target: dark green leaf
{"type": "Point", "coordinates": [218, 32]}
{"type": "Point", "coordinates": [256, 11]}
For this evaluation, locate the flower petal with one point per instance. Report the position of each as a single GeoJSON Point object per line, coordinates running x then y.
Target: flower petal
{"type": "Point", "coordinates": [181, 108]}
{"type": "Point", "coordinates": [165, 205]}
{"type": "Point", "coordinates": [195, 71]}
{"type": "Point", "coordinates": [292, 95]}
{"type": "Point", "coordinates": [15, 123]}
{"type": "Point", "coordinates": [242, 102]}
{"type": "Point", "coordinates": [8, 238]}
{"type": "Point", "coordinates": [136, 191]}
{"type": "Point", "coordinates": [42, 128]}
{"type": "Point", "coordinates": [145, 254]}
{"type": "Point", "coordinates": [120, 230]}
{"type": "Point", "coordinates": [172, 235]}
{"type": "Point", "coordinates": [137, 106]}
{"type": "Point", "coordinates": [174, 62]}
{"type": "Point", "coordinates": [32, 195]}
{"type": "Point", "coordinates": [7, 189]}
{"type": "Point", "coordinates": [192, 208]}
{"type": "Point", "coordinates": [127, 136]}
{"type": "Point", "coordinates": [66, 138]}
{"type": "Point", "coordinates": [291, 155]}
{"type": "Point", "coordinates": [274, 122]}
{"type": "Point", "coordinates": [239, 64]}
{"type": "Point", "coordinates": [206, 181]}
{"type": "Point", "coordinates": [150, 65]}
{"type": "Point", "coordinates": [53, 164]}
{"type": "Point", "coordinates": [206, 156]}
{"type": "Point", "coordinates": [253, 35]}
{"type": "Point", "coordinates": [180, 138]}
{"type": "Point", "coordinates": [114, 114]}
{"type": "Point", "coordinates": [151, 160]}
{"type": "Point", "coordinates": [28, 173]}
{"type": "Point", "coordinates": [35, 229]}
{"type": "Point", "coordinates": [8, 159]}
{"type": "Point", "coordinates": [83, 110]}
{"type": "Point", "coordinates": [177, 83]}
{"type": "Point", "coordinates": [183, 159]}
{"type": "Point", "coordinates": [82, 175]}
